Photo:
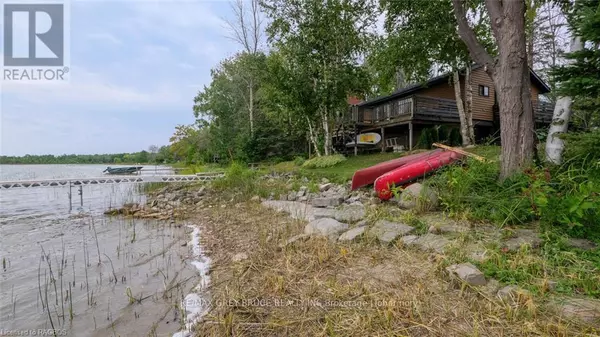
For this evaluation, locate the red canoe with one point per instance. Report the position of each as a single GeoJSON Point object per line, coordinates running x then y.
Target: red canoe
{"type": "Point", "coordinates": [368, 175]}
{"type": "Point", "coordinates": [412, 171]}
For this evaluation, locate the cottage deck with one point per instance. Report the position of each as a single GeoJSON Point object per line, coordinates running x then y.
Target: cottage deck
{"type": "Point", "coordinates": [417, 108]}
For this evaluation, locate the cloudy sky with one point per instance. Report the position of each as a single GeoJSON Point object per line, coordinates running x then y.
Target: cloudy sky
{"type": "Point", "coordinates": [135, 69]}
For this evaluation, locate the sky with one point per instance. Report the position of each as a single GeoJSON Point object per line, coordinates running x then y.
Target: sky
{"type": "Point", "coordinates": [135, 67]}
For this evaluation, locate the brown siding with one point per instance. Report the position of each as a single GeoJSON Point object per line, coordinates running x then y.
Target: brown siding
{"type": "Point", "coordinates": [534, 92]}
{"type": "Point", "coordinates": [482, 106]}
{"type": "Point", "coordinates": [441, 90]}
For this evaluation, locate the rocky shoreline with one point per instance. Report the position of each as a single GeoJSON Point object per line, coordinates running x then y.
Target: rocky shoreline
{"type": "Point", "coordinates": [342, 216]}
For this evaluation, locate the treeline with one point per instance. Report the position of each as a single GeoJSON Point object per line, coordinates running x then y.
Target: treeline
{"type": "Point", "coordinates": [154, 155]}
{"type": "Point", "coordinates": [276, 98]}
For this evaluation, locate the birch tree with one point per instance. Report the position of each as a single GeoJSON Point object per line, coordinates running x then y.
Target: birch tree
{"type": "Point", "coordinates": [560, 119]}
{"type": "Point", "coordinates": [578, 79]}
{"type": "Point", "coordinates": [247, 29]}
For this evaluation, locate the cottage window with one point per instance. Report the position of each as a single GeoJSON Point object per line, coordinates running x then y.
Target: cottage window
{"type": "Point", "coordinates": [484, 91]}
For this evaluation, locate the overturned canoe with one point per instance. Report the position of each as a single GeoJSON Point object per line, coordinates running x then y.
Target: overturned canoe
{"type": "Point", "coordinates": [368, 175]}
{"type": "Point", "coordinates": [412, 171]}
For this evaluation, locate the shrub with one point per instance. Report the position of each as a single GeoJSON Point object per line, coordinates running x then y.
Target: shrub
{"type": "Point", "coordinates": [565, 198]}
{"type": "Point", "coordinates": [298, 161]}
{"type": "Point", "coordinates": [324, 161]}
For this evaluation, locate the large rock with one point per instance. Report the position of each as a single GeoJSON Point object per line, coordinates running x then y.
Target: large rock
{"type": "Point", "coordinates": [584, 309]}
{"type": "Point", "coordinates": [324, 187]}
{"type": "Point", "coordinates": [429, 242]}
{"type": "Point", "coordinates": [583, 244]}
{"type": "Point", "coordinates": [513, 294]}
{"type": "Point", "coordinates": [523, 237]}
{"type": "Point", "coordinates": [332, 201]}
{"type": "Point", "coordinates": [353, 233]}
{"type": "Point", "coordinates": [330, 228]}
{"type": "Point", "coordinates": [387, 231]}
{"type": "Point", "coordinates": [296, 210]}
{"type": "Point", "coordinates": [418, 196]}
{"type": "Point", "coordinates": [319, 213]}
{"type": "Point", "coordinates": [350, 213]}
{"type": "Point", "coordinates": [468, 273]}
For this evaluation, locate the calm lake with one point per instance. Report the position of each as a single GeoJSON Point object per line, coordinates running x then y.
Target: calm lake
{"type": "Point", "coordinates": [86, 274]}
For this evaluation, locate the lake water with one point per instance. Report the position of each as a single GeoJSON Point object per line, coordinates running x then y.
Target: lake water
{"type": "Point", "coordinates": [86, 274]}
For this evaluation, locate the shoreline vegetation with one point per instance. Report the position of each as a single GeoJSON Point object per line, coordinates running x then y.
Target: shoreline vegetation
{"type": "Point", "coordinates": [488, 258]}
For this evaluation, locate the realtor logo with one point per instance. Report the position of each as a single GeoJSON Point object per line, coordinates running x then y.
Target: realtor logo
{"type": "Point", "coordinates": [34, 41]}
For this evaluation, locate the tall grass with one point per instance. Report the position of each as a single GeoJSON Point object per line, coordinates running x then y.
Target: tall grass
{"type": "Point", "coordinates": [565, 198]}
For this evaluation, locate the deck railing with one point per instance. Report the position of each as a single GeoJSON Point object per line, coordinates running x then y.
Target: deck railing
{"type": "Point", "coordinates": [427, 108]}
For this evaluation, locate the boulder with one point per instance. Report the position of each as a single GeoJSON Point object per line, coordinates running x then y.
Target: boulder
{"type": "Point", "coordinates": [584, 309]}
{"type": "Point", "coordinates": [319, 213]}
{"type": "Point", "coordinates": [468, 273]}
{"type": "Point", "coordinates": [408, 239]}
{"type": "Point", "coordinates": [583, 244]}
{"type": "Point", "coordinates": [330, 228]}
{"type": "Point", "coordinates": [293, 195]}
{"type": "Point", "coordinates": [523, 237]}
{"type": "Point", "coordinates": [387, 231]}
{"type": "Point", "coordinates": [353, 233]}
{"type": "Point", "coordinates": [513, 294]}
{"type": "Point", "coordinates": [350, 213]}
{"type": "Point", "coordinates": [418, 196]}
{"type": "Point", "coordinates": [325, 187]}
{"type": "Point", "coordinates": [430, 242]}
{"type": "Point", "coordinates": [333, 201]}
{"type": "Point", "coordinates": [296, 210]}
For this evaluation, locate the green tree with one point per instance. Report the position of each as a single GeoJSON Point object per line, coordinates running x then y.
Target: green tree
{"type": "Point", "coordinates": [323, 41]}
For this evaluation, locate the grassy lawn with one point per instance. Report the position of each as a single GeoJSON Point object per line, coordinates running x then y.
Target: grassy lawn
{"type": "Point", "coordinates": [343, 171]}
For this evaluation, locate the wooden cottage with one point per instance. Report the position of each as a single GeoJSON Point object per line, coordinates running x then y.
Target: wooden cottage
{"type": "Point", "coordinates": [400, 117]}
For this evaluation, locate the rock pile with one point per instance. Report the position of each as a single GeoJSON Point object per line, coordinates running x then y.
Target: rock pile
{"type": "Point", "coordinates": [170, 202]}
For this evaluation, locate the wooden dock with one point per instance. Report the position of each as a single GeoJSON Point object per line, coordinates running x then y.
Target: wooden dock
{"type": "Point", "coordinates": [206, 176]}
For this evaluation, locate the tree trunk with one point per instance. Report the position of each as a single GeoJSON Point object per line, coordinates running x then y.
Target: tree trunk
{"type": "Point", "coordinates": [313, 139]}
{"type": "Point", "coordinates": [469, 104]}
{"type": "Point", "coordinates": [461, 109]}
{"type": "Point", "coordinates": [513, 87]}
{"type": "Point", "coordinates": [560, 119]}
{"type": "Point", "coordinates": [326, 133]}
{"type": "Point", "coordinates": [510, 74]}
{"type": "Point", "coordinates": [251, 108]}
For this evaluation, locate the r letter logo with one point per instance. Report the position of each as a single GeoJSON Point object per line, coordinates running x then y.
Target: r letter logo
{"type": "Point", "coordinates": [34, 42]}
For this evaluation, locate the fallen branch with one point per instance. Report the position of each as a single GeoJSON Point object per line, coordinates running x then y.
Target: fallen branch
{"type": "Point", "coordinates": [453, 149]}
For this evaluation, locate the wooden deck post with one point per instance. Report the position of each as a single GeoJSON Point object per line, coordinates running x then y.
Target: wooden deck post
{"type": "Point", "coordinates": [410, 136]}
{"type": "Point", "coordinates": [382, 139]}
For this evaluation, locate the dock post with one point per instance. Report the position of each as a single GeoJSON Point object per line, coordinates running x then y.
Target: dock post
{"type": "Point", "coordinates": [70, 194]}
{"type": "Point", "coordinates": [81, 195]}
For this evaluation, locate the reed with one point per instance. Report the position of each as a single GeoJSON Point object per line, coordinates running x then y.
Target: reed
{"type": "Point", "coordinates": [71, 313]}
{"type": "Point", "coordinates": [48, 306]}
{"type": "Point", "coordinates": [113, 268]}
{"type": "Point", "coordinates": [96, 238]}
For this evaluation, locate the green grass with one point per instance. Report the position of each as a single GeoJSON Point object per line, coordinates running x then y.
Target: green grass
{"type": "Point", "coordinates": [343, 171]}
{"type": "Point", "coordinates": [574, 271]}
{"type": "Point", "coordinates": [193, 169]}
